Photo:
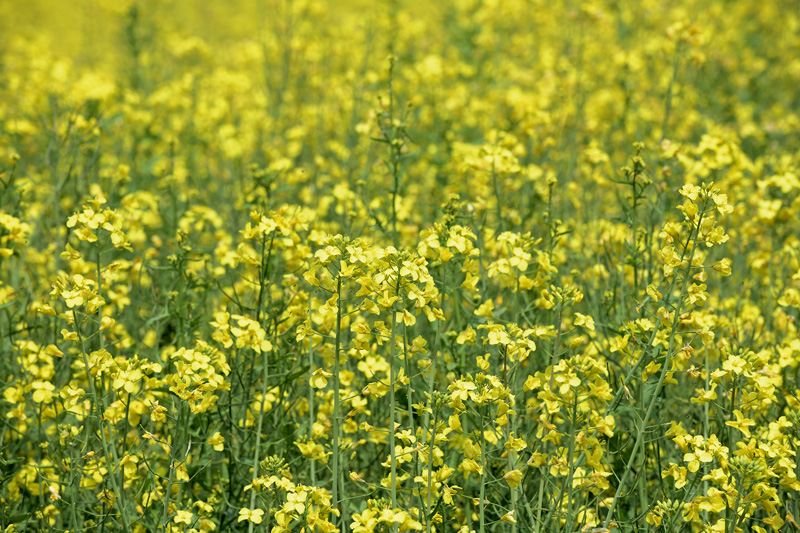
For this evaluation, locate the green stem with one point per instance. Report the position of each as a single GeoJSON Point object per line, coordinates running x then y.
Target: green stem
{"type": "Point", "coordinates": [735, 514]}
{"type": "Point", "coordinates": [509, 432]}
{"type": "Point", "coordinates": [571, 456]}
{"type": "Point", "coordinates": [170, 477]}
{"type": "Point", "coordinates": [392, 379]}
{"type": "Point", "coordinates": [429, 518]}
{"type": "Point", "coordinates": [539, 503]}
{"type": "Point", "coordinates": [100, 336]}
{"type": "Point", "coordinates": [499, 203]}
{"type": "Point", "coordinates": [483, 473]}
{"type": "Point", "coordinates": [705, 431]}
{"type": "Point", "coordinates": [311, 393]}
{"type": "Point", "coordinates": [409, 392]}
{"type": "Point", "coordinates": [394, 153]}
{"type": "Point", "coordinates": [108, 453]}
{"type": "Point", "coordinates": [661, 378]}
{"type": "Point", "coordinates": [668, 101]}
{"type": "Point", "coordinates": [554, 357]}
{"type": "Point", "coordinates": [258, 433]}
{"type": "Point", "coordinates": [336, 369]}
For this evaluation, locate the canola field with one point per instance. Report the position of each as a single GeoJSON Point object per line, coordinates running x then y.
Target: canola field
{"type": "Point", "coordinates": [464, 266]}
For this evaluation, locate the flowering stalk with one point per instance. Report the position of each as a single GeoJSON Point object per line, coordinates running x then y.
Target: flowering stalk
{"type": "Point", "coordinates": [264, 388]}
{"type": "Point", "coordinates": [337, 498]}
{"type": "Point", "coordinates": [432, 441]}
{"type": "Point", "coordinates": [482, 502]}
{"type": "Point", "coordinates": [693, 236]}
{"type": "Point", "coordinates": [392, 407]}
{"type": "Point", "coordinates": [109, 451]}
{"type": "Point", "coordinates": [311, 392]}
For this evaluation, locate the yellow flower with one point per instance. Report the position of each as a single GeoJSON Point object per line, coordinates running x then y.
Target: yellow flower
{"type": "Point", "coordinates": [319, 379]}
{"type": "Point", "coordinates": [723, 266]}
{"type": "Point", "coordinates": [486, 309]}
{"type": "Point", "coordinates": [406, 318]}
{"type": "Point", "coordinates": [53, 350]}
{"type": "Point", "coordinates": [678, 473]}
{"type": "Point", "coordinates": [650, 369]}
{"type": "Point", "coordinates": [183, 517]}
{"type": "Point", "coordinates": [705, 396]}
{"type": "Point", "coordinates": [217, 441]}
{"type": "Point", "coordinates": [584, 321]}
{"type": "Point", "coordinates": [469, 466]}
{"type": "Point", "coordinates": [619, 343]}
{"type": "Point", "coordinates": [314, 451]}
{"type": "Point", "coordinates": [42, 391]}
{"type": "Point", "coordinates": [513, 478]}
{"type": "Point", "coordinates": [690, 191]}
{"type": "Point", "coordinates": [467, 336]}
{"type": "Point", "coordinates": [653, 292]}
{"type": "Point", "coordinates": [741, 423]}
{"type": "Point", "coordinates": [255, 516]}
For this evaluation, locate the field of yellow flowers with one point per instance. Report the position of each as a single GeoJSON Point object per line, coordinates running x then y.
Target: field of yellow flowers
{"type": "Point", "coordinates": [397, 266]}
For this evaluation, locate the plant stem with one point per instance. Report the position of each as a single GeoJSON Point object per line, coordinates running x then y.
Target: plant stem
{"type": "Point", "coordinates": [409, 392]}
{"type": "Point", "coordinates": [392, 379]}
{"type": "Point", "coordinates": [255, 464]}
{"type": "Point", "coordinates": [311, 393]}
{"type": "Point", "coordinates": [483, 473]}
{"type": "Point", "coordinates": [554, 357]}
{"type": "Point", "coordinates": [97, 403]}
{"type": "Point", "coordinates": [668, 100]}
{"type": "Point", "coordinates": [337, 498]}
{"type": "Point", "coordinates": [661, 378]}
{"type": "Point", "coordinates": [571, 462]}
{"type": "Point", "coordinates": [428, 517]}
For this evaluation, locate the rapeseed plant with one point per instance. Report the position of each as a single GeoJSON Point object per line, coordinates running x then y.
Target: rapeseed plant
{"type": "Point", "coordinates": [368, 267]}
